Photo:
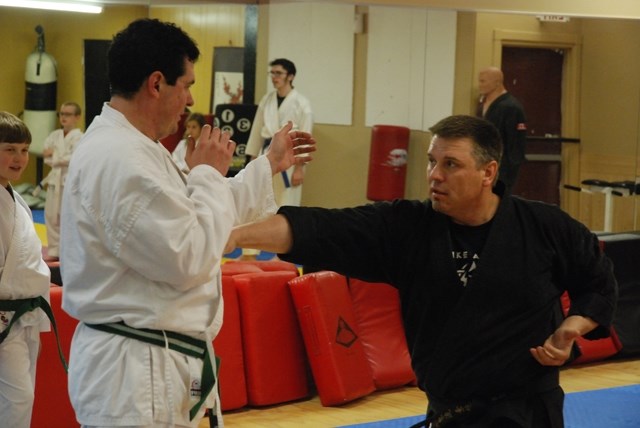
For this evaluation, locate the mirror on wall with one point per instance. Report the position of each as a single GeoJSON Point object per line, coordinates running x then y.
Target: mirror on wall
{"type": "Point", "coordinates": [599, 103]}
{"type": "Point", "coordinates": [600, 89]}
{"type": "Point", "coordinates": [595, 145]}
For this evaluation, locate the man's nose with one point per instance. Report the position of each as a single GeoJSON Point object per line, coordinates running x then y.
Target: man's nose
{"type": "Point", "coordinates": [434, 173]}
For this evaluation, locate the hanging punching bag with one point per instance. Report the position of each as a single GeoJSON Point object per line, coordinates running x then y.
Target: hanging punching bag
{"type": "Point", "coordinates": [40, 98]}
{"type": "Point", "coordinates": [387, 162]}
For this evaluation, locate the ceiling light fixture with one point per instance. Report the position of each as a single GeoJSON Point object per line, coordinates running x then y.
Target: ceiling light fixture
{"type": "Point", "coordinates": [47, 5]}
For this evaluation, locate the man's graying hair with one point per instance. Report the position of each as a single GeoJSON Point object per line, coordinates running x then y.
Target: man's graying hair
{"type": "Point", "coordinates": [487, 144]}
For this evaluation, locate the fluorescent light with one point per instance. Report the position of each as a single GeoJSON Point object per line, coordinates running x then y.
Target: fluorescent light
{"type": "Point", "coordinates": [47, 5]}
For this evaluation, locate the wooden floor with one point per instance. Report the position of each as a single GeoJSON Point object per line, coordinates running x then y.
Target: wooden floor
{"type": "Point", "coordinates": [409, 401]}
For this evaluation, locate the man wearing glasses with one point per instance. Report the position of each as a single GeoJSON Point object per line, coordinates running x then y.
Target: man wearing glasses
{"type": "Point", "coordinates": [276, 108]}
{"type": "Point", "coordinates": [57, 152]}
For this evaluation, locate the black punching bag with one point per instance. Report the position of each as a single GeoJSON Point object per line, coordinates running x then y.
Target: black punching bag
{"type": "Point", "coordinates": [40, 98]}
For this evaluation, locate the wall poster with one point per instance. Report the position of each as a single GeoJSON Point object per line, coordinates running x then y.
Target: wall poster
{"type": "Point", "coordinates": [228, 76]}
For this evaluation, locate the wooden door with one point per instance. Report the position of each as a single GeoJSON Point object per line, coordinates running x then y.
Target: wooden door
{"type": "Point", "coordinates": [534, 77]}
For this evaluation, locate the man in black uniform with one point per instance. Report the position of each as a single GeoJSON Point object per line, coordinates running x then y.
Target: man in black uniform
{"type": "Point", "coordinates": [503, 110]}
{"type": "Point", "coordinates": [480, 274]}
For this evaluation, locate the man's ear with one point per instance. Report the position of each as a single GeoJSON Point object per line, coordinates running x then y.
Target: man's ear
{"type": "Point", "coordinates": [490, 173]}
{"type": "Point", "coordinates": [153, 82]}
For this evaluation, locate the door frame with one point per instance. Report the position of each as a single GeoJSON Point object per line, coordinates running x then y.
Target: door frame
{"type": "Point", "coordinates": [570, 98]}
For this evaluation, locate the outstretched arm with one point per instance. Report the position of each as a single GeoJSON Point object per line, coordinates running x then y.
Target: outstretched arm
{"type": "Point", "coordinates": [273, 234]}
{"type": "Point", "coordinates": [556, 349]}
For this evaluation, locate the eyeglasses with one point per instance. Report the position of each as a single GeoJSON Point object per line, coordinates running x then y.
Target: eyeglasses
{"type": "Point", "coordinates": [277, 73]}
{"type": "Point", "coordinates": [65, 114]}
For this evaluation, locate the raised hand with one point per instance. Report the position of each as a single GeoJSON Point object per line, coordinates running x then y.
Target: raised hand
{"type": "Point", "coordinates": [290, 147]}
{"type": "Point", "coordinates": [214, 148]}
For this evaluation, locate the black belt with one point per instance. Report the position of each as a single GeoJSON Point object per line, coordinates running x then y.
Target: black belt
{"type": "Point", "coordinates": [178, 342]}
{"type": "Point", "coordinates": [21, 307]}
{"type": "Point", "coordinates": [440, 414]}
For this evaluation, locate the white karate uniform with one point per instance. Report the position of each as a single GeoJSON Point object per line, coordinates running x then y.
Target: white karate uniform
{"type": "Point", "coordinates": [23, 274]}
{"type": "Point", "coordinates": [268, 120]}
{"type": "Point", "coordinates": [179, 154]}
{"type": "Point", "coordinates": [143, 244]}
{"type": "Point", "coordinates": [62, 146]}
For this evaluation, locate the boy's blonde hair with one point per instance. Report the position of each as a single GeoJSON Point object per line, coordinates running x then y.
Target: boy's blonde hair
{"type": "Point", "coordinates": [76, 107]}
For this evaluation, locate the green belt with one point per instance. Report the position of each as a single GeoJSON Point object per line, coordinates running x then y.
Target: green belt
{"type": "Point", "coordinates": [21, 307]}
{"type": "Point", "coordinates": [178, 342]}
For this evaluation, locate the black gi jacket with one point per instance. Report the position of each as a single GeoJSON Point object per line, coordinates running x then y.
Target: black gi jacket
{"type": "Point", "coordinates": [507, 114]}
{"type": "Point", "coordinates": [470, 342]}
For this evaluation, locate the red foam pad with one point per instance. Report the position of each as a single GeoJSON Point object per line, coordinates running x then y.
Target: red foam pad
{"type": "Point", "coordinates": [236, 268]}
{"type": "Point", "coordinates": [596, 350]}
{"type": "Point", "coordinates": [274, 358]}
{"type": "Point", "coordinates": [270, 265]}
{"type": "Point", "coordinates": [228, 347]}
{"type": "Point", "coordinates": [335, 350]}
{"type": "Point", "coordinates": [377, 310]}
{"type": "Point", "coordinates": [52, 408]}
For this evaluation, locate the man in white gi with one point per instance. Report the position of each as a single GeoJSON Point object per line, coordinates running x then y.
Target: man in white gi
{"type": "Point", "coordinates": [24, 282]}
{"type": "Point", "coordinates": [142, 242]}
{"type": "Point", "coordinates": [57, 152]}
{"type": "Point", "coordinates": [276, 108]}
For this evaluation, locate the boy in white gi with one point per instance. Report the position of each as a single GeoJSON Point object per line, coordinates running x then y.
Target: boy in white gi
{"type": "Point", "coordinates": [24, 282]}
{"type": "Point", "coordinates": [143, 242]}
{"type": "Point", "coordinates": [57, 152]}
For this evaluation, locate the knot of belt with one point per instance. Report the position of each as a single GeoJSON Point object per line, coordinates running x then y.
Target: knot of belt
{"type": "Point", "coordinates": [23, 306]}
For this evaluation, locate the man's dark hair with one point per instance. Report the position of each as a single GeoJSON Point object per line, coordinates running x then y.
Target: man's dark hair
{"type": "Point", "coordinates": [289, 66]}
{"type": "Point", "coordinates": [487, 144]}
{"type": "Point", "coordinates": [13, 130]}
{"type": "Point", "coordinates": [145, 46]}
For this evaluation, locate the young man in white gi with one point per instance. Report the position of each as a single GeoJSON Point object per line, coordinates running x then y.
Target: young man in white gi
{"type": "Point", "coordinates": [57, 152]}
{"type": "Point", "coordinates": [24, 282]}
{"type": "Point", "coordinates": [142, 242]}
{"type": "Point", "coordinates": [276, 108]}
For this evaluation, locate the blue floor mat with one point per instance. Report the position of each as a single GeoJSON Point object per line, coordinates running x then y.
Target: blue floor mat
{"type": "Point", "coordinates": [611, 408]}
{"type": "Point", "coordinates": [38, 216]}
{"type": "Point", "coordinates": [389, 423]}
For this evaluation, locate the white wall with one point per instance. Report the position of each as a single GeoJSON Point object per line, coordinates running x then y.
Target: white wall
{"type": "Point", "coordinates": [410, 61]}
{"type": "Point", "coordinates": [410, 66]}
{"type": "Point", "coordinates": [319, 39]}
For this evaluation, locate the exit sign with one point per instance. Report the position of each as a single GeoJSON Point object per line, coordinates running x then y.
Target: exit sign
{"type": "Point", "coordinates": [553, 18]}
